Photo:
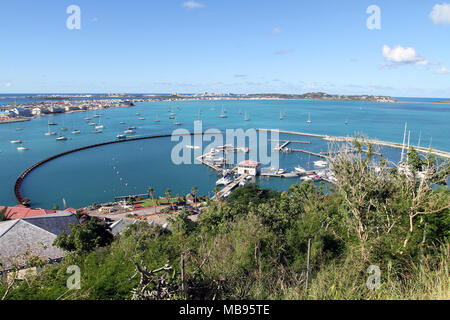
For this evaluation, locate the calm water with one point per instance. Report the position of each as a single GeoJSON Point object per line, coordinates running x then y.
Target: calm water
{"type": "Point", "coordinates": [129, 168]}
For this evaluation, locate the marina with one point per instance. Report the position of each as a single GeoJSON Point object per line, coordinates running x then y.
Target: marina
{"type": "Point", "coordinates": [118, 120]}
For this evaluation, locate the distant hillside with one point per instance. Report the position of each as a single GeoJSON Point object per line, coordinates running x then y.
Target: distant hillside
{"type": "Point", "coordinates": [325, 96]}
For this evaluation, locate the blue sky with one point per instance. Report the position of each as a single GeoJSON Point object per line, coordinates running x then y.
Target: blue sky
{"type": "Point", "coordinates": [242, 46]}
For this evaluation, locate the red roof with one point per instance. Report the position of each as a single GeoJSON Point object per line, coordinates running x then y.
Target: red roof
{"type": "Point", "coordinates": [21, 212]}
{"type": "Point", "coordinates": [249, 163]}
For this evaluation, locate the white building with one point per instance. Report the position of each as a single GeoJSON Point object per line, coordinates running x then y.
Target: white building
{"type": "Point", "coordinates": [36, 111]}
{"type": "Point", "coordinates": [22, 112]}
{"type": "Point", "coordinates": [250, 167]}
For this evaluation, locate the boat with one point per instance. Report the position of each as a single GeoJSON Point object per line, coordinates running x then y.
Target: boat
{"type": "Point", "coordinates": [88, 119]}
{"type": "Point", "coordinates": [138, 114]}
{"type": "Point", "coordinates": [52, 123]}
{"type": "Point", "coordinates": [243, 183]}
{"type": "Point", "coordinates": [198, 119]}
{"type": "Point", "coordinates": [122, 122]}
{"type": "Point", "coordinates": [141, 118]}
{"type": "Point", "coordinates": [92, 124]}
{"type": "Point", "coordinates": [61, 138]}
{"type": "Point", "coordinates": [320, 164]}
{"type": "Point", "coordinates": [300, 170]}
{"type": "Point", "coordinates": [96, 116]}
{"type": "Point", "coordinates": [223, 181]}
{"type": "Point", "coordinates": [98, 131]}
{"type": "Point", "coordinates": [99, 127]}
{"type": "Point", "coordinates": [19, 129]}
{"type": "Point", "coordinates": [346, 122]}
{"type": "Point", "coordinates": [226, 195]}
{"type": "Point", "coordinates": [309, 118]}
{"type": "Point", "coordinates": [132, 128]}
{"type": "Point", "coordinates": [157, 118]}
{"type": "Point", "coordinates": [172, 117]}
{"type": "Point", "coordinates": [76, 132]}
{"type": "Point", "coordinates": [121, 137]}
{"type": "Point", "coordinates": [22, 148]}
{"type": "Point", "coordinates": [281, 116]}
{"type": "Point", "coordinates": [16, 141]}
{"type": "Point", "coordinates": [173, 114]}
{"type": "Point", "coordinates": [129, 131]}
{"type": "Point", "coordinates": [50, 133]}
{"type": "Point", "coordinates": [246, 118]}
{"type": "Point", "coordinates": [307, 178]}
{"type": "Point", "coordinates": [63, 129]}
{"type": "Point", "coordinates": [281, 171]}
{"type": "Point", "coordinates": [223, 115]}
{"type": "Point", "coordinates": [178, 123]}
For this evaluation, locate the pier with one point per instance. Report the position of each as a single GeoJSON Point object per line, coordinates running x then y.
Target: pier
{"type": "Point", "coordinates": [439, 153]}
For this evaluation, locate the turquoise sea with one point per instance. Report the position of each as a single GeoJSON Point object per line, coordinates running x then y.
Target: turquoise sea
{"type": "Point", "coordinates": [97, 175]}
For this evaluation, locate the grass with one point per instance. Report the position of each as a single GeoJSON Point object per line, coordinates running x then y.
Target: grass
{"type": "Point", "coordinates": [161, 202]}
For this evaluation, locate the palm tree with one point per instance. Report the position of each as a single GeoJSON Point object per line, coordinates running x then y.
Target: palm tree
{"type": "Point", "coordinates": [169, 196]}
{"type": "Point", "coordinates": [216, 191]}
{"type": "Point", "coordinates": [151, 192]}
{"type": "Point", "coordinates": [6, 215]}
{"type": "Point", "coordinates": [194, 193]}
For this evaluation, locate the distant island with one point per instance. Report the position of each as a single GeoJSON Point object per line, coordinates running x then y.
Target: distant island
{"type": "Point", "coordinates": [326, 96]}
{"type": "Point", "coordinates": [443, 102]}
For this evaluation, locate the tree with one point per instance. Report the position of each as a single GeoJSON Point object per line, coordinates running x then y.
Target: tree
{"type": "Point", "coordinates": [216, 191]}
{"type": "Point", "coordinates": [85, 237]}
{"type": "Point", "coordinates": [194, 193]}
{"type": "Point", "coordinates": [6, 215]}
{"type": "Point", "coordinates": [26, 202]}
{"type": "Point", "coordinates": [151, 192]}
{"type": "Point", "coordinates": [169, 196]}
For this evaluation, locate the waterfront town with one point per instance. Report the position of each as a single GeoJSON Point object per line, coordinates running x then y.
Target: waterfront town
{"type": "Point", "coordinates": [57, 104]}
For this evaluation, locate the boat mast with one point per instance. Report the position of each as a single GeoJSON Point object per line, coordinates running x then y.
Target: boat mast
{"type": "Point", "coordinates": [404, 141]}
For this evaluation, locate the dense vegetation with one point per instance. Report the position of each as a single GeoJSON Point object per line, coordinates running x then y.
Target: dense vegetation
{"type": "Point", "coordinates": [254, 245]}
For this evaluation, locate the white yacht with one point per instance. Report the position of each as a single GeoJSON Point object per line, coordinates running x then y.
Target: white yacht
{"type": "Point", "coordinates": [61, 138]}
{"type": "Point", "coordinates": [224, 181]}
{"type": "Point", "coordinates": [16, 141]}
{"type": "Point", "coordinates": [320, 164]}
{"type": "Point", "coordinates": [76, 132]}
{"type": "Point", "coordinates": [121, 137]}
{"type": "Point", "coordinates": [300, 170]}
{"type": "Point", "coordinates": [129, 131]}
{"type": "Point", "coordinates": [246, 118]}
{"type": "Point", "coordinates": [22, 148]}
{"type": "Point", "coordinates": [309, 118]}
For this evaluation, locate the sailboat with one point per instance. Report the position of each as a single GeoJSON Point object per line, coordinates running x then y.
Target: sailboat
{"type": "Point", "coordinates": [157, 118]}
{"type": "Point", "coordinates": [100, 126]}
{"type": "Point", "coordinates": [281, 115]}
{"type": "Point", "coordinates": [309, 118]}
{"type": "Point", "coordinates": [50, 133]}
{"type": "Point", "coordinates": [246, 118]}
{"type": "Point", "coordinates": [223, 115]}
{"type": "Point", "coordinates": [198, 120]}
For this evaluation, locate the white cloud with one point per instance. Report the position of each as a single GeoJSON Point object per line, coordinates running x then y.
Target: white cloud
{"type": "Point", "coordinates": [193, 5]}
{"type": "Point", "coordinates": [441, 13]}
{"type": "Point", "coordinates": [283, 52]}
{"type": "Point", "coordinates": [400, 55]}
{"type": "Point", "coordinates": [8, 84]}
{"type": "Point", "coordinates": [442, 70]}
{"type": "Point", "coordinates": [276, 30]}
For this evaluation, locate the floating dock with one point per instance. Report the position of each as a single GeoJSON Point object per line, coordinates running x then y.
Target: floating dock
{"type": "Point", "coordinates": [439, 153]}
